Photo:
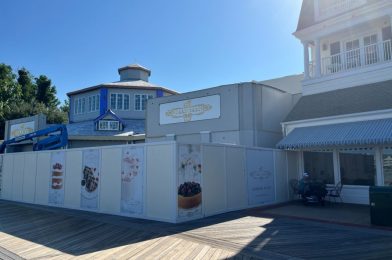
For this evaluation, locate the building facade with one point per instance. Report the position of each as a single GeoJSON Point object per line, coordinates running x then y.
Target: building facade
{"type": "Point", "coordinates": [247, 113]}
{"type": "Point", "coordinates": [112, 113]}
{"type": "Point", "coordinates": [342, 124]}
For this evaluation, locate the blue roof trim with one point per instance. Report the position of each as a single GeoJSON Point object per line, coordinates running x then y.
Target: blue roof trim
{"type": "Point", "coordinates": [373, 132]}
{"type": "Point", "coordinates": [111, 113]}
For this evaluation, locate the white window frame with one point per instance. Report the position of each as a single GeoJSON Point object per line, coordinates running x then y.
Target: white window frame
{"type": "Point", "coordinates": [139, 102]}
{"type": "Point", "coordinates": [107, 124]}
{"type": "Point", "coordinates": [117, 95]}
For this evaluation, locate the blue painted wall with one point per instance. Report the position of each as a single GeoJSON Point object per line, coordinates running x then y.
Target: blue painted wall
{"type": "Point", "coordinates": [159, 92]}
{"type": "Point", "coordinates": [103, 102]}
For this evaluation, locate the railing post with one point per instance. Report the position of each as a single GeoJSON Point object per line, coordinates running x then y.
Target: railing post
{"type": "Point", "coordinates": [306, 59]}
{"type": "Point", "coordinates": [318, 58]}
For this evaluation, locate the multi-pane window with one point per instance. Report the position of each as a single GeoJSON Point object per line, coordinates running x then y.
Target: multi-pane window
{"type": "Point", "coordinates": [357, 167]}
{"type": "Point", "coordinates": [93, 103]}
{"type": "Point", "coordinates": [387, 166]}
{"type": "Point", "coordinates": [371, 49]}
{"type": "Point", "coordinates": [320, 166]}
{"type": "Point", "coordinates": [119, 101]}
{"type": "Point", "coordinates": [353, 58]}
{"type": "Point", "coordinates": [126, 101]}
{"type": "Point", "coordinates": [141, 101]}
{"type": "Point", "coordinates": [113, 101]}
{"type": "Point", "coordinates": [80, 106]}
{"type": "Point", "coordinates": [108, 125]}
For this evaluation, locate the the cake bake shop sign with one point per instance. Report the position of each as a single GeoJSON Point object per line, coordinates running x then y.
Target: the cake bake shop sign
{"type": "Point", "coordinates": [190, 110]}
{"type": "Point", "coordinates": [21, 129]}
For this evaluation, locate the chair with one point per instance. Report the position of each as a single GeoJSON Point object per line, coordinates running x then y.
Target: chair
{"type": "Point", "coordinates": [335, 192]}
{"type": "Point", "coordinates": [294, 187]}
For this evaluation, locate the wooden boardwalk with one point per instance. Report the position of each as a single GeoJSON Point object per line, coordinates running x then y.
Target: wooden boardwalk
{"type": "Point", "coordinates": [32, 232]}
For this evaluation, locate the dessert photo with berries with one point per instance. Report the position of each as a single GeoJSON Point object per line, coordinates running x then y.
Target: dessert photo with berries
{"type": "Point", "coordinates": [189, 189]}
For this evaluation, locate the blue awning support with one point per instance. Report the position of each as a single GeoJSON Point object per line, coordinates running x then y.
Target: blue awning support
{"type": "Point", "coordinates": [372, 132]}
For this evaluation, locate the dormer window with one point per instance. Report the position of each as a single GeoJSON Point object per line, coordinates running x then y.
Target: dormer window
{"type": "Point", "coordinates": [108, 125]}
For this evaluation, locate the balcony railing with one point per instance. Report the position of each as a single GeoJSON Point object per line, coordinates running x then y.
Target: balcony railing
{"type": "Point", "coordinates": [354, 59]}
{"type": "Point", "coordinates": [333, 7]}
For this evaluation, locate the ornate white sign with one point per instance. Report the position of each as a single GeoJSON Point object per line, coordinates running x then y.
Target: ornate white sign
{"type": "Point", "coordinates": [190, 110]}
{"type": "Point", "coordinates": [21, 129]}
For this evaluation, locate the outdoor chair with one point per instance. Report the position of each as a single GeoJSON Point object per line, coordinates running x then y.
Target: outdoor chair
{"type": "Point", "coordinates": [294, 187]}
{"type": "Point", "coordinates": [335, 192]}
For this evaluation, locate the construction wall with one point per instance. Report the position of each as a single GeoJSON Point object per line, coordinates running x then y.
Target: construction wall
{"type": "Point", "coordinates": [165, 181]}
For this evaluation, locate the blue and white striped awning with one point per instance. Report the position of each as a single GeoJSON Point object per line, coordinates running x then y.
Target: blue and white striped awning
{"type": "Point", "coordinates": [373, 132]}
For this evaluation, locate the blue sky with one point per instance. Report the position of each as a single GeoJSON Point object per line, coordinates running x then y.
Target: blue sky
{"type": "Point", "coordinates": [187, 44]}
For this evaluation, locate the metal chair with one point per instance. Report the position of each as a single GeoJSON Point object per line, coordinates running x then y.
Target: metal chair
{"type": "Point", "coordinates": [336, 192]}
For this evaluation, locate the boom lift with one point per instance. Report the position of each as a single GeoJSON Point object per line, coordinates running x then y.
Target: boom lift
{"type": "Point", "coordinates": [57, 137]}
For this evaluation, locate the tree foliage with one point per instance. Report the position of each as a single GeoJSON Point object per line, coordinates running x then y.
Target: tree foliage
{"type": "Point", "coordinates": [22, 95]}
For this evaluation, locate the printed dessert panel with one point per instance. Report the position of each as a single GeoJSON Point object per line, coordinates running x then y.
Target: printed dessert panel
{"type": "Point", "coordinates": [260, 172]}
{"type": "Point", "coordinates": [90, 179]}
{"type": "Point", "coordinates": [132, 166]}
{"type": "Point", "coordinates": [189, 190]}
{"type": "Point", "coordinates": [1, 175]}
{"type": "Point", "coordinates": [57, 178]}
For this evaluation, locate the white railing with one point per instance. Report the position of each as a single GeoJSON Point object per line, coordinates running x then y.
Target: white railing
{"type": "Point", "coordinates": [333, 7]}
{"type": "Point", "coordinates": [354, 59]}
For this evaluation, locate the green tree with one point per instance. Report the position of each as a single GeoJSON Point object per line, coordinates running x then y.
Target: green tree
{"type": "Point", "coordinates": [10, 90]}
{"type": "Point", "coordinates": [46, 93]}
{"type": "Point", "coordinates": [25, 80]}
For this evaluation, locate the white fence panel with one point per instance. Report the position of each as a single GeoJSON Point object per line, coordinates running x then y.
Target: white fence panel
{"type": "Point", "coordinates": [29, 177]}
{"type": "Point", "coordinates": [160, 199]}
{"type": "Point", "coordinates": [17, 177]}
{"type": "Point", "coordinates": [237, 197]}
{"type": "Point", "coordinates": [8, 169]}
{"type": "Point", "coordinates": [42, 179]}
{"type": "Point", "coordinates": [214, 180]}
{"type": "Point", "coordinates": [281, 176]}
{"type": "Point", "coordinates": [73, 168]}
{"type": "Point", "coordinates": [111, 180]}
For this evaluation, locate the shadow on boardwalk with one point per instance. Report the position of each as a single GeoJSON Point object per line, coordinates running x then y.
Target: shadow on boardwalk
{"type": "Point", "coordinates": [52, 232]}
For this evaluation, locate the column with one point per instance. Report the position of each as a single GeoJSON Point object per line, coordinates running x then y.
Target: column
{"type": "Point", "coordinates": [306, 59]}
{"type": "Point", "coordinates": [318, 58]}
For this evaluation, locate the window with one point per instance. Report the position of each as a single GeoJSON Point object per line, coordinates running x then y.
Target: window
{"type": "Point", "coordinates": [371, 49]}
{"type": "Point", "coordinates": [97, 101]}
{"type": "Point", "coordinates": [387, 166]}
{"type": "Point", "coordinates": [353, 58]}
{"type": "Point", "coordinates": [93, 103]}
{"type": "Point", "coordinates": [320, 166]}
{"type": "Point", "coordinates": [357, 167]}
{"type": "Point", "coordinates": [108, 125]}
{"type": "Point", "coordinates": [126, 102]}
{"type": "Point", "coordinates": [113, 101]}
{"type": "Point", "coordinates": [141, 101]}
{"type": "Point", "coordinates": [83, 105]}
{"type": "Point", "coordinates": [119, 101]}
{"type": "Point", "coordinates": [335, 57]}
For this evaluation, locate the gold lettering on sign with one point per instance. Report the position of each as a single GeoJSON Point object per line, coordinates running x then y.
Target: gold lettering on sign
{"type": "Point", "coordinates": [21, 130]}
{"type": "Point", "coordinates": [188, 110]}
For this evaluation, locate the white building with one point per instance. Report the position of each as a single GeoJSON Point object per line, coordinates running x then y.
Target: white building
{"type": "Point", "coordinates": [342, 125]}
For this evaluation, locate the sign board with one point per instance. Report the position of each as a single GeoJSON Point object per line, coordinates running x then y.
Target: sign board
{"type": "Point", "coordinates": [260, 171]}
{"type": "Point", "coordinates": [190, 110]}
{"type": "Point", "coordinates": [21, 129]}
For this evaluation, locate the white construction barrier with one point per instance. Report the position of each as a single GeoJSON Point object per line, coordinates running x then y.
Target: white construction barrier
{"type": "Point", "coordinates": [165, 181]}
